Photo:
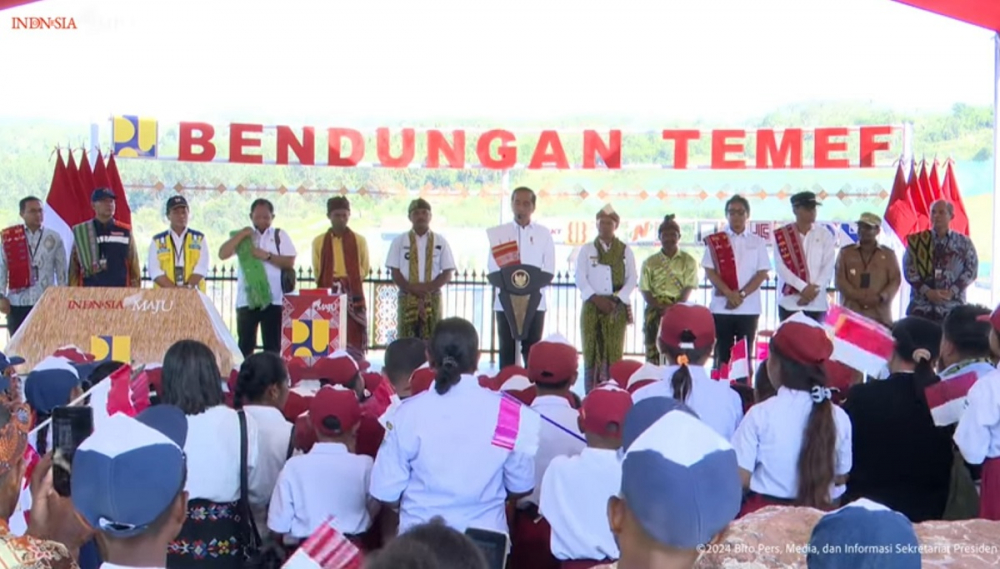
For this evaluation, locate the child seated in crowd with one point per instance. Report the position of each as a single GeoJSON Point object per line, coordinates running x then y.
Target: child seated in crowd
{"type": "Point", "coordinates": [328, 481]}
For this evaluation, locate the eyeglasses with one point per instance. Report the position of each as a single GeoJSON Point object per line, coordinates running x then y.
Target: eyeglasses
{"type": "Point", "coordinates": [736, 212]}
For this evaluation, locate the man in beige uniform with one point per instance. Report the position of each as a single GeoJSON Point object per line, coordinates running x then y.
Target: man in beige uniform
{"type": "Point", "coordinates": [868, 274]}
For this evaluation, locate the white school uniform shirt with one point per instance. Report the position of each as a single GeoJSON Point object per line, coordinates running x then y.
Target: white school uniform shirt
{"type": "Point", "coordinates": [438, 459]}
{"type": "Point", "coordinates": [552, 441]}
{"type": "Point", "coordinates": [716, 404]}
{"type": "Point", "coordinates": [750, 252]}
{"type": "Point", "coordinates": [399, 256]}
{"type": "Point", "coordinates": [536, 247]}
{"type": "Point", "coordinates": [820, 250]}
{"type": "Point", "coordinates": [328, 481]}
{"type": "Point", "coordinates": [212, 448]}
{"type": "Point", "coordinates": [575, 492]}
{"type": "Point", "coordinates": [769, 439]}
{"type": "Point", "coordinates": [267, 242]}
{"type": "Point", "coordinates": [978, 433]}
{"type": "Point", "coordinates": [593, 278]}
{"type": "Point", "coordinates": [273, 435]}
{"type": "Point", "coordinates": [201, 268]}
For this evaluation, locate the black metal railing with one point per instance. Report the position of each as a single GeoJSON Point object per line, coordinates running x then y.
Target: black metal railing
{"type": "Point", "coordinates": [470, 296]}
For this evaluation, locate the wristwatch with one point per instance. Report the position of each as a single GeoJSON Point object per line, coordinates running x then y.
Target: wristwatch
{"type": "Point", "coordinates": [743, 294]}
{"type": "Point", "coordinates": [268, 256]}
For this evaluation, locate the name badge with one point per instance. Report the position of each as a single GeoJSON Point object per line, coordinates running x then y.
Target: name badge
{"type": "Point", "coordinates": [178, 275]}
{"type": "Point", "coordinates": [866, 280]}
{"type": "Point", "coordinates": [34, 274]}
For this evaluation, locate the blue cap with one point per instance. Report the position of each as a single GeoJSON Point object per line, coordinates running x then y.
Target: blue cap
{"type": "Point", "coordinates": [864, 535]}
{"type": "Point", "coordinates": [6, 362]}
{"type": "Point", "coordinates": [101, 194]}
{"type": "Point", "coordinates": [50, 384]}
{"type": "Point", "coordinates": [130, 471]}
{"type": "Point", "coordinates": [680, 479]}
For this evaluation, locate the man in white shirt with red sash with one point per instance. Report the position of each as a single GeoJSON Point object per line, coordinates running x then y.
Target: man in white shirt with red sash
{"type": "Point", "coordinates": [32, 258]}
{"type": "Point", "coordinates": [737, 263]}
{"type": "Point", "coordinates": [805, 256]}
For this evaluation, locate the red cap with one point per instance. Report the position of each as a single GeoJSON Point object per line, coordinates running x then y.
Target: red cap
{"type": "Point", "coordinates": [336, 402]}
{"type": "Point", "coordinates": [155, 377]}
{"type": "Point", "coordinates": [338, 369]}
{"type": "Point", "coordinates": [305, 436]}
{"type": "Point", "coordinates": [422, 379]}
{"type": "Point", "coordinates": [692, 318]}
{"type": "Point", "coordinates": [297, 370]}
{"type": "Point", "coordinates": [552, 361]}
{"type": "Point", "coordinates": [295, 405]}
{"type": "Point", "coordinates": [802, 342]}
{"type": "Point", "coordinates": [646, 374]}
{"type": "Point", "coordinates": [507, 373]}
{"type": "Point", "coordinates": [993, 319]}
{"type": "Point", "coordinates": [372, 380]}
{"type": "Point", "coordinates": [621, 370]}
{"type": "Point", "coordinates": [604, 411]}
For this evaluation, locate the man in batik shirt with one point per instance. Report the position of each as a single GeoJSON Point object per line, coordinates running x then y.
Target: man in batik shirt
{"type": "Point", "coordinates": [666, 278]}
{"type": "Point", "coordinates": [939, 264]}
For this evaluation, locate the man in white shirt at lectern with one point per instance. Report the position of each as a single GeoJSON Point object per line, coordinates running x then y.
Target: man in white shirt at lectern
{"type": "Point", "coordinates": [606, 277]}
{"type": "Point", "coordinates": [535, 247]}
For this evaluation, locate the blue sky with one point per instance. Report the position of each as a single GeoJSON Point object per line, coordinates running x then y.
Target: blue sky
{"type": "Point", "coordinates": [354, 62]}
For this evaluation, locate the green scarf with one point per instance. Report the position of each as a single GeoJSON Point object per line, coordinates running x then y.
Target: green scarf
{"type": "Point", "coordinates": [258, 288]}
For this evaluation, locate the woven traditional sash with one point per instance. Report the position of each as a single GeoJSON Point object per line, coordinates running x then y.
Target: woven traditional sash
{"type": "Point", "coordinates": [414, 276]}
{"type": "Point", "coordinates": [255, 282]}
{"type": "Point", "coordinates": [614, 258]}
{"type": "Point", "coordinates": [792, 255]}
{"type": "Point", "coordinates": [357, 310]}
{"type": "Point", "coordinates": [921, 246]}
{"type": "Point", "coordinates": [18, 257]}
{"type": "Point", "coordinates": [720, 247]}
{"type": "Point", "coordinates": [85, 237]}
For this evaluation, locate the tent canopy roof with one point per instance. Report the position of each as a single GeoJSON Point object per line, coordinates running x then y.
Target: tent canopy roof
{"type": "Point", "coordinates": [982, 13]}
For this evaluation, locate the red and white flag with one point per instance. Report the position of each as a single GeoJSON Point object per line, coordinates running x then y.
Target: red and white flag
{"type": "Point", "coordinates": [900, 218]}
{"type": "Point", "coordinates": [947, 398]}
{"type": "Point", "coordinates": [859, 342]}
{"type": "Point", "coordinates": [326, 548]}
{"type": "Point", "coordinates": [128, 392]}
{"type": "Point", "coordinates": [101, 179]}
{"type": "Point", "coordinates": [739, 360]}
{"type": "Point", "coordinates": [123, 212]}
{"type": "Point", "coordinates": [950, 192]}
{"type": "Point", "coordinates": [61, 206]}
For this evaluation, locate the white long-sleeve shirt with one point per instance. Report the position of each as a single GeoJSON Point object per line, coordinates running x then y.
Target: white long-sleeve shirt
{"type": "Point", "coordinates": [820, 250]}
{"type": "Point", "coordinates": [535, 245]}
{"type": "Point", "coordinates": [593, 278]}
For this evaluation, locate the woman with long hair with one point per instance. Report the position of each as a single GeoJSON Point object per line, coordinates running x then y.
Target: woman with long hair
{"type": "Point", "coordinates": [261, 391]}
{"type": "Point", "coordinates": [438, 458]}
{"type": "Point", "coordinates": [795, 448]}
{"type": "Point", "coordinates": [686, 340]}
{"type": "Point", "coordinates": [901, 459]}
{"type": "Point", "coordinates": [216, 532]}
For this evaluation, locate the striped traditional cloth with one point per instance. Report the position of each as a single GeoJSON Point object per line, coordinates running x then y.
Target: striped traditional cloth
{"type": "Point", "coordinates": [326, 548]}
{"type": "Point", "coordinates": [85, 237]}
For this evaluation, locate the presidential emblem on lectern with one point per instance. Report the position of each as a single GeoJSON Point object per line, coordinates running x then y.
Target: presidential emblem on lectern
{"type": "Point", "coordinates": [520, 278]}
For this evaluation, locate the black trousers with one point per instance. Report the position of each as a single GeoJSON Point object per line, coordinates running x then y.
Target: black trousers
{"type": "Point", "coordinates": [786, 314]}
{"type": "Point", "coordinates": [506, 338]}
{"type": "Point", "coordinates": [731, 328]}
{"type": "Point", "coordinates": [16, 318]}
{"type": "Point", "coordinates": [268, 320]}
